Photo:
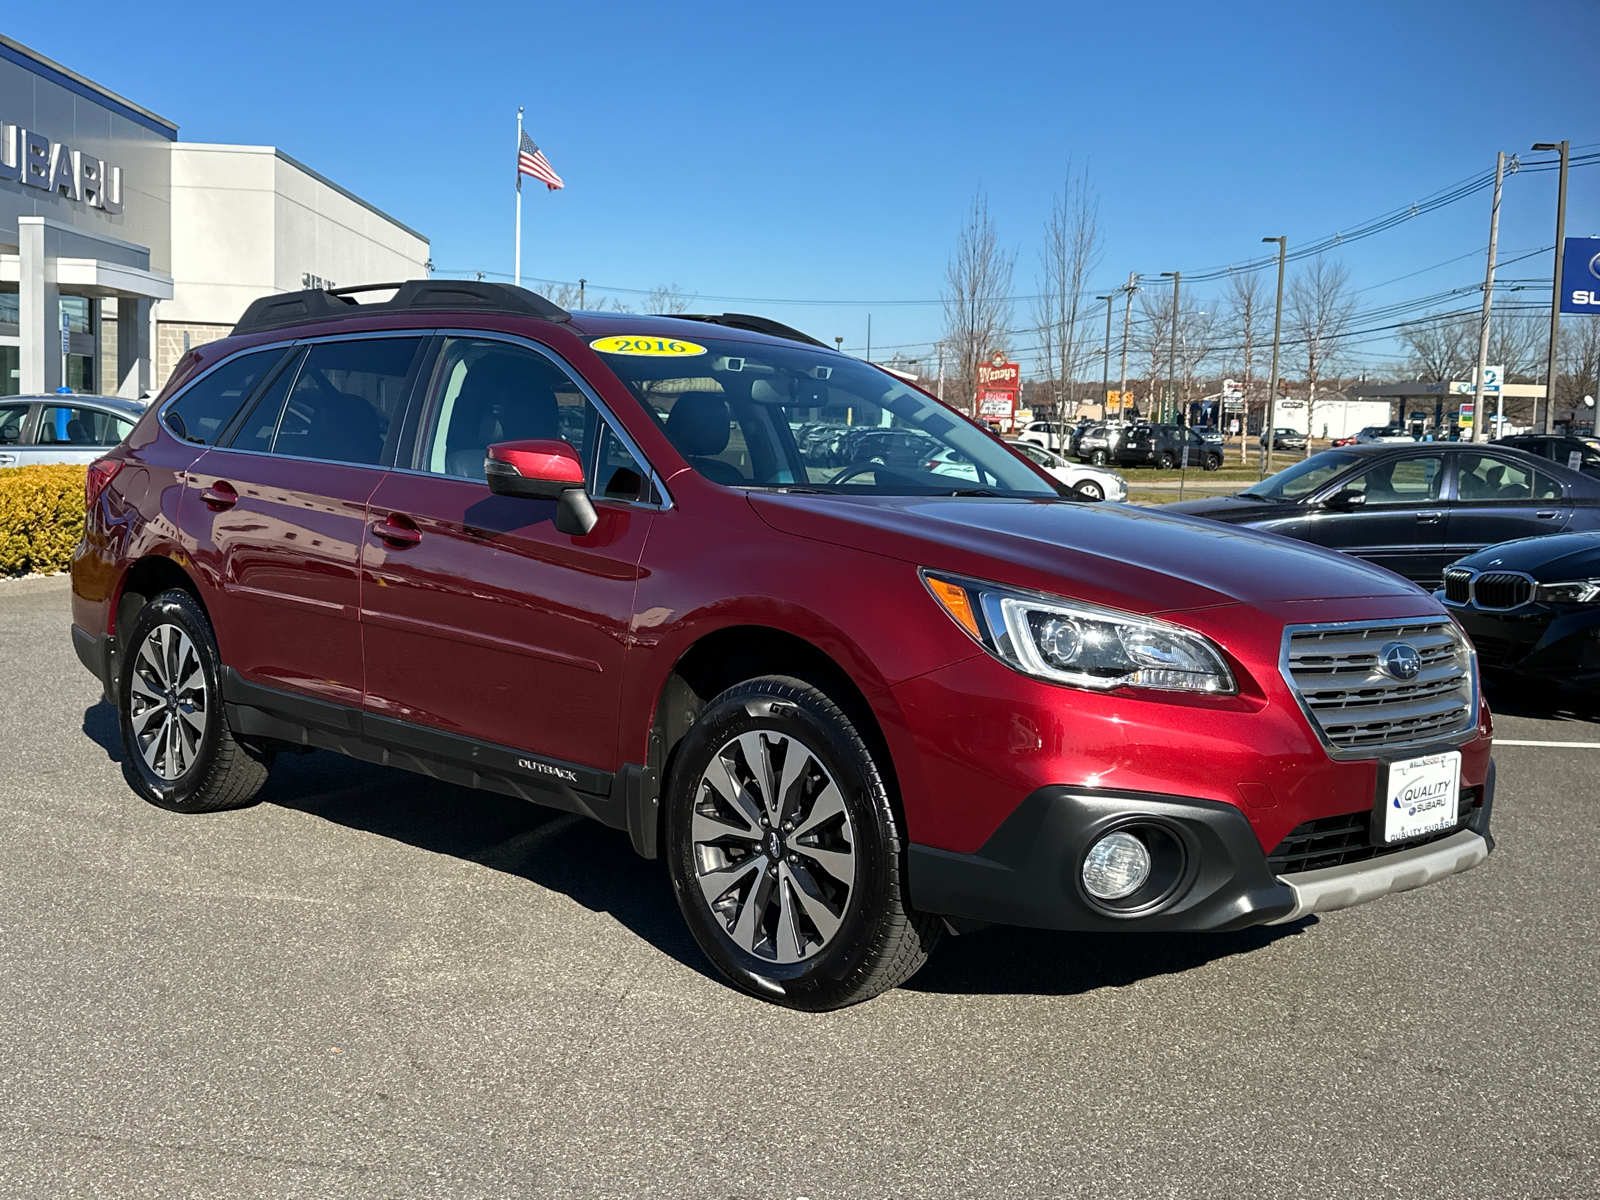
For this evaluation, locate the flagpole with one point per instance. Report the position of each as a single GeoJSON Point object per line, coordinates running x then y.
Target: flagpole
{"type": "Point", "coordinates": [518, 274]}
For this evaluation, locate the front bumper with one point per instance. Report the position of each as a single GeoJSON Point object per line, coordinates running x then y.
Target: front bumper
{"type": "Point", "coordinates": [1554, 643]}
{"type": "Point", "coordinates": [1029, 872]}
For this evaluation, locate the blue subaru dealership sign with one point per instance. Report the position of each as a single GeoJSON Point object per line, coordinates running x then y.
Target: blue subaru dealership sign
{"type": "Point", "coordinates": [1580, 276]}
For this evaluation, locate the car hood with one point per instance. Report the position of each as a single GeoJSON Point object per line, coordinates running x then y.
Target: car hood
{"type": "Point", "coordinates": [1129, 558]}
{"type": "Point", "coordinates": [1228, 508]}
{"type": "Point", "coordinates": [1548, 559]}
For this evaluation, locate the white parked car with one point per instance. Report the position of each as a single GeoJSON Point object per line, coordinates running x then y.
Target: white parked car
{"type": "Point", "coordinates": [1050, 435]}
{"type": "Point", "coordinates": [1375, 434]}
{"type": "Point", "coordinates": [1091, 483]}
{"type": "Point", "coordinates": [63, 427]}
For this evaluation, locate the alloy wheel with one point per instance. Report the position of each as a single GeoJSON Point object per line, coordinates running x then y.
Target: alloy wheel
{"type": "Point", "coordinates": [774, 848]}
{"type": "Point", "coordinates": [168, 701]}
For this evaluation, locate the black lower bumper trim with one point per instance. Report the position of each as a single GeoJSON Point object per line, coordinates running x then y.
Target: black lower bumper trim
{"type": "Point", "coordinates": [1028, 872]}
{"type": "Point", "coordinates": [94, 653]}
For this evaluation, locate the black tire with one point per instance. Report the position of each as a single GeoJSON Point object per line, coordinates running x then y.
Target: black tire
{"type": "Point", "coordinates": [1090, 490]}
{"type": "Point", "coordinates": [1213, 462]}
{"type": "Point", "coordinates": [877, 941]}
{"type": "Point", "coordinates": [175, 769]}
{"type": "Point", "coordinates": [1098, 457]}
{"type": "Point", "coordinates": [1167, 460]}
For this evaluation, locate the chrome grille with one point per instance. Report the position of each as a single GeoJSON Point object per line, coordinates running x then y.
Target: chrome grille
{"type": "Point", "coordinates": [1501, 589]}
{"type": "Point", "coordinates": [1357, 708]}
{"type": "Point", "coordinates": [1457, 585]}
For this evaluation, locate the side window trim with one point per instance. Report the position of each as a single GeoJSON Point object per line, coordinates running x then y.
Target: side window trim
{"type": "Point", "coordinates": [659, 496]}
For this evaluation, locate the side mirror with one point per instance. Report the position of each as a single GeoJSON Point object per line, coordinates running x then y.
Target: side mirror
{"type": "Point", "coordinates": [1344, 501]}
{"type": "Point", "coordinates": [542, 469]}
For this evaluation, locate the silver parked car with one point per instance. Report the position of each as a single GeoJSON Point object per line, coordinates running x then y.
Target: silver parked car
{"type": "Point", "coordinates": [63, 427]}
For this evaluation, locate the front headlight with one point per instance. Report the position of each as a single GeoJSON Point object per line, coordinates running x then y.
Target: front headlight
{"type": "Point", "coordinates": [1570, 591]}
{"type": "Point", "coordinates": [1082, 645]}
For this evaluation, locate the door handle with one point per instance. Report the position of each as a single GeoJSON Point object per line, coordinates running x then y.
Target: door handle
{"type": "Point", "coordinates": [1429, 518]}
{"type": "Point", "coordinates": [1548, 515]}
{"type": "Point", "coordinates": [397, 532]}
{"type": "Point", "coordinates": [220, 496]}
{"type": "Point", "coordinates": [8, 460]}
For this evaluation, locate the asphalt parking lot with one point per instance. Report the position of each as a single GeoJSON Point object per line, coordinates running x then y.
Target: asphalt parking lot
{"type": "Point", "coordinates": [375, 985]}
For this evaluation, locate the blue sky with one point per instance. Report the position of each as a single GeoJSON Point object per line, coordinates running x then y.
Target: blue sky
{"type": "Point", "coordinates": [828, 152]}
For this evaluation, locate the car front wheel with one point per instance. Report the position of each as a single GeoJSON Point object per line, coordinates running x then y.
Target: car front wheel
{"type": "Point", "coordinates": [180, 753]}
{"type": "Point", "coordinates": [1213, 462]}
{"type": "Point", "coordinates": [785, 850]}
{"type": "Point", "coordinates": [1090, 490]}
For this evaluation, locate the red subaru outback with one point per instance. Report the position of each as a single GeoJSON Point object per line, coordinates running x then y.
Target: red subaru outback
{"type": "Point", "coordinates": [701, 579]}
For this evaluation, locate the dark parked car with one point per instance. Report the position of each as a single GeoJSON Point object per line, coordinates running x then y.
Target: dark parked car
{"type": "Point", "coordinates": [1413, 508]}
{"type": "Point", "coordinates": [1577, 453]}
{"type": "Point", "coordinates": [1142, 443]}
{"type": "Point", "coordinates": [1532, 607]}
{"type": "Point", "coordinates": [581, 559]}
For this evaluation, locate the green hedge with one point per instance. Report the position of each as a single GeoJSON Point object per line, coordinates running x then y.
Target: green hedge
{"type": "Point", "coordinates": [41, 517]}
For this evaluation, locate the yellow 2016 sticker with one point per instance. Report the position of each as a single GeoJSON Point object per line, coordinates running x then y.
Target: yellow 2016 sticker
{"type": "Point", "coordinates": [646, 345]}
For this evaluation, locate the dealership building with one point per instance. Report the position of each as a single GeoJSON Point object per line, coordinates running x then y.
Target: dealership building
{"type": "Point", "coordinates": [121, 246]}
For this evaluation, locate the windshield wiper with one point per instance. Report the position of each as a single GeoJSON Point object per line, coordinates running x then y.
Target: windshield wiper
{"type": "Point", "coordinates": [1254, 496]}
{"type": "Point", "coordinates": [975, 491]}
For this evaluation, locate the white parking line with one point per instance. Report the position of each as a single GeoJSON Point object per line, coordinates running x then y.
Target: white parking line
{"type": "Point", "coordinates": [1557, 745]}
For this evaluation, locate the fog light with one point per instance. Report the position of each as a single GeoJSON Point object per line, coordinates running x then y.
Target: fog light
{"type": "Point", "coordinates": [1117, 866]}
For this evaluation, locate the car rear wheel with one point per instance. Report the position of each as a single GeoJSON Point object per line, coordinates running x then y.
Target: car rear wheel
{"type": "Point", "coordinates": [180, 753]}
{"type": "Point", "coordinates": [1098, 457]}
{"type": "Point", "coordinates": [785, 851]}
{"type": "Point", "coordinates": [1213, 462]}
{"type": "Point", "coordinates": [1090, 490]}
{"type": "Point", "coordinates": [1167, 460]}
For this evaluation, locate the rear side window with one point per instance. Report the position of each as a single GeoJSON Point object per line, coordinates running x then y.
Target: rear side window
{"type": "Point", "coordinates": [1484, 477]}
{"type": "Point", "coordinates": [70, 425]}
{"type": "Point", "coordinates": [345, 399]}
{"type": "Point", "coordinates": [202, 412]}
{"type": "Point", "coordinates": [11, 418]}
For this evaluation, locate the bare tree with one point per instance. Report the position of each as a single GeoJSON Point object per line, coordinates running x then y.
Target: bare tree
{"type": "Point", "coordinates": [1247, 304]}
{"type": "Point", "coordinates": [977, 298]}
{"type": "Point", "coordinates": [666, 299]}
{"type": "Point", "coordinates": [1071, 250]}
{"type": "Point", "coordinates": [1517, 342]}
{"type": "Point", "coordinates": [1579, 365]}
{"type": "Point", "coordinates": [1319, 308]}
{"type": "Point", "coordinates": [1196, 338]}
{"type": "Point", "coordinates": [1442, 347]}
{"type": "Point", "coordinates": [573, 296]}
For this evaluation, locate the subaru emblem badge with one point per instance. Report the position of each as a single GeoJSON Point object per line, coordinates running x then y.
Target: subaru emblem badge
{"type": "Point", "coordinates": [1400, 660]}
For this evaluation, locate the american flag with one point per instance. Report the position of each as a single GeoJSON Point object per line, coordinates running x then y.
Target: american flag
{"type": "Point", "coordinates": [531, 161]}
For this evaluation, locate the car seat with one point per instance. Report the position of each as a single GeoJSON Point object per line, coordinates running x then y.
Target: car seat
{"type": "Point", "coordinates": [501, 400]}
{"type": "Point", "coordinates": [700, 425]}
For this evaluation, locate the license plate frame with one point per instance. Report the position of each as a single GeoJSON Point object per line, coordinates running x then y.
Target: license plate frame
{"type": "Point", "coordinates": [1434, 780]}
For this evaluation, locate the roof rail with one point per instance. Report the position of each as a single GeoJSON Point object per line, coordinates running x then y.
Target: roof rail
{"type": "Point", "coordinates": [412, 295]}
{"type": "Point", "coordinates": [755, 325]}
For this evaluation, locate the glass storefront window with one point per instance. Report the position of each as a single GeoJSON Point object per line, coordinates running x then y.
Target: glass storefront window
{"type": "Point", "coordinates": [77, 310]}
{"type": "Point", "coordinates": [9, 308]}
{"type": "Point", "coordinates": [10, 370]}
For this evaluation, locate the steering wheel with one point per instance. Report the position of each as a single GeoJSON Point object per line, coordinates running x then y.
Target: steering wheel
{"type": "Point", "coordinates": [861, 468]}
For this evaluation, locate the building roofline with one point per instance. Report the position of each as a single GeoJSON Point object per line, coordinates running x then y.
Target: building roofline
{"type": "Point", "coordinates": [23, 56]}
{"type": "Point", "coordinates": [317, 175]}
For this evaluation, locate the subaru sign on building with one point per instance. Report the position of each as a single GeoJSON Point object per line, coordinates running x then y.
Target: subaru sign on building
{"type": "Point", "coordinates": [1580, 276]}
{"type": "Point", "coordinates": [121, 246]}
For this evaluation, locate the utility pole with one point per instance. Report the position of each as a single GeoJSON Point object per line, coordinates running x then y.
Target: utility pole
{"type": "Point", "coordinates": [1105, 363]}
{"type": "Point", "coordinates": [1172, 355]}
{"type": "Point", "coordinates": [1555, 290]}
{"type": "Point", "coordinates": [869, 337]}
{"type": "Point", "coordinates": [940, 345]}
{"type": "Point", "coordinates": [516, 270]}
{"type": "Point", "coordinates": [1480, 425]}
{"type": "Point", "coordinates": [1277, 341]}
{"type": "Point", "coordinates": [1127, 322]}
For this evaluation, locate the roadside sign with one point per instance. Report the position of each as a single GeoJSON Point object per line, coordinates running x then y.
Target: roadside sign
{"type": "Point", "coordinates": [997, 405]}
{"type": "Point", "coordinates": [1491, 380]}
{"type": "Point", "coordinates": [1466, 414]}
{"type": "Point", "coordinates": [1580, 276]}
{"type": "Point", "coordinates": [1232, 390]}
{"type": "Point", "coordinates": [66, 332]}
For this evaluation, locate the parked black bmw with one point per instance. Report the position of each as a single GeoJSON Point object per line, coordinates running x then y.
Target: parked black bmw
{"type": "Point", "coordinates": [1413, 508]}
{"type": "Point", "coordinates": [1532, 607]}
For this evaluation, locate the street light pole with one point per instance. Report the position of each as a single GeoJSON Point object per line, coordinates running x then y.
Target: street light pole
{"type": "Point", "coordinates": [1172, 357]}
{"type": "Point", "coordinates": [1127, 322]}
{"type": "Point", "coordinates": [1105, 363]}
{"type": "Point", "coordinates": [1479, 423]}
{"type": "Point", "coordinates": [1555, 290]}
{"type": "Point", "coordinates": [1277, 341]}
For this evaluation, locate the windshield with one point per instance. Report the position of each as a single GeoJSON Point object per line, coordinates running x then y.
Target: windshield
{"type": "Point", "coordinates": [748, 414]}
{"type": "Point", "coordinates": [1304, 477]}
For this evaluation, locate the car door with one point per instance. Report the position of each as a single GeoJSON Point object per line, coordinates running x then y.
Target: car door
{"type": "Point", "coordinates": [480, 617]}
{"type": "Point", "coordinates": [75, 433]}
{"type": "Point", "coordinates": [281, 510]}
{"type": "Point", "coordinates": [14, 426]}
{"type": "Point", "coordinates": [1500, 497]}
{"type": "Point", "coordinates": [1401, 522]}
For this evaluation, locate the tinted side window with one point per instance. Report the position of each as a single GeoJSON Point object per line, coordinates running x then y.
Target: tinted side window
{"type": "Point", "coordinates": [345, 398]}
{"type": "Point", "coordinates": [1483, 477]}
{"type": "Point", "coordinates": [70, 425]}
{"type": "Point", "coordinates": [1401, 481]}
{"type": "Point", "coordinates": [256, 430]}
{"type": "Point", "coordinates": [203, 411]}
{"type": "Point", "coordinates": [486, 392]}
